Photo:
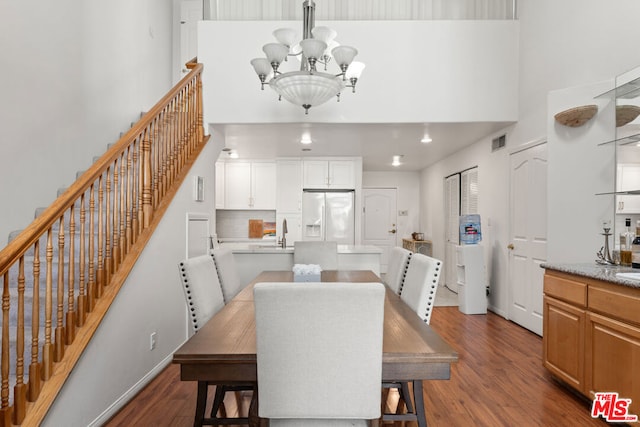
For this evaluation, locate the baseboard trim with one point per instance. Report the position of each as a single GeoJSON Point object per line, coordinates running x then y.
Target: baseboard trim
{"type": "Point", "coordinates": [116, 406]}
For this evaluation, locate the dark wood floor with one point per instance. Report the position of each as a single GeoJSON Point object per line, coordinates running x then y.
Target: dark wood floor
{"type": "Point", "coordinates": [498, 381]}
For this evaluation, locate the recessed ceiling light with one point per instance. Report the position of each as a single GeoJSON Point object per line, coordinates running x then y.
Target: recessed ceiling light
{"type": "Point", "coordinates": [426, 139]}
{"type": "Point", "coordinates": [306, 139]}
{"type": "Point", "coordinates": [396, 161]}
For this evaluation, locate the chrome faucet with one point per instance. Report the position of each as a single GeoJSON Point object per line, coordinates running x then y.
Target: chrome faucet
{"type": "Point", "coordinates": [283, 240]}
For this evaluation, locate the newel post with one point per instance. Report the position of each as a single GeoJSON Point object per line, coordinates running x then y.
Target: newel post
{"type": "Point", "coordinates": [147, 207]}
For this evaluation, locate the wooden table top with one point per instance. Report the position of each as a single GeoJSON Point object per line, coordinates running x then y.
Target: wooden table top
{"type": "Point", "coordinates": [224, 349]}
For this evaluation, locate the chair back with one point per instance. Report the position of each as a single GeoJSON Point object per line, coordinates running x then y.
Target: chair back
{"type": "Point", "coordinates": [325, 254]}
{"type": "Point", "coordinates": [202, 290]}
{"type": "Point", "coordinates": [397, 268]}
{"type": "Point", "coordinates": [420, 284]}
{"type": "Point", "coordinates": [227, 273]}
{"type": "Point", "coordinates": [319, 350]}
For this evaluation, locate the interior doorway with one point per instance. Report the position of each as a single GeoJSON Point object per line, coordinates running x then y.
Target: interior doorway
{"type": "Point", "coordinates": [461, 198]}
{"type": "Point", "coordinates": [528, 235]}
{"type": "Point", "coordinates": [379, 226]}
{"type": "Point", "coordinates": [190, 14]}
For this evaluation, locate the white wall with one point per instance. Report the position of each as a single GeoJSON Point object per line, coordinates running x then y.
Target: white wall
{"type": "Point", "coordinates": [433, 71]}
{"type": "Point", "coordinates": [492, 206]}
{"type": "Point", "coordinates": [408, 197]}
{"type": "Point", "coordinates": [74, 75]}
{"type": "Point", "coordinates": [562, 44]}
{"type": "Point", "coordinates": [578, 169]}
{"type": "Point", "coordinates": [118, 360]}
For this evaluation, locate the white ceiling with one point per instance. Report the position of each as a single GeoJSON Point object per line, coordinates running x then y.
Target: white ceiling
{"type": "Point", "coordinates": [375, 143]}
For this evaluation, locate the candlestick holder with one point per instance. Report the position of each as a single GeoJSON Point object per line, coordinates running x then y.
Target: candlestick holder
{"type": "Point", "coordinates": [604, 256]}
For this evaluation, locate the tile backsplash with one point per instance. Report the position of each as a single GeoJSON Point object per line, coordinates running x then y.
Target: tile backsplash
{"type": "Point", "coordinates": [234, 224]}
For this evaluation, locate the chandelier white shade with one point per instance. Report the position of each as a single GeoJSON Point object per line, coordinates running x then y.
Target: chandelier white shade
{"type": "Point", "coordinates": [308, 87]}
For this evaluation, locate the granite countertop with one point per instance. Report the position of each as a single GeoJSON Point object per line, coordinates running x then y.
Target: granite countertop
{"type": "Point", "coordinates": [608, 273]}
{"type": "Point", "coordinates": [270, 248]}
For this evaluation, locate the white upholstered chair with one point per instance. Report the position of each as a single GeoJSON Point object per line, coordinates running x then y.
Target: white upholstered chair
{"type": "Point", "coordinates": [419, 293]}
{"type": "Point", "coordinates": [397, 268]}
{"type": "Point", "coordinates": [319, 352]}
{"type": "Point", "coordinates": [325, 254]}
{"type": "Point", "coordinates": [202, 290]}
{"type": "Point", "coordinates": [203, 295]}
{"type": "Point", "coordinates": [420, 284]}
{"type": "Point", "coordinates": [227, 273]}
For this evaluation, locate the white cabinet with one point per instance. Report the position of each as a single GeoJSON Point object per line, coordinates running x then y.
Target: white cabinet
{"type": "Point", "coordinates": [250, 185]}
{"type": "Point", "coordinates": [237, 185]}
{"type": "Point", "coordinates": [263, 185]}
{"type": "Point", "coordinates": [334, 174]}
{"type": "Point", "coordinates": [219, 185]}
{"type": "Point", "coordinates": [628, 179]}
{"type": "Point", "coordinates": [289, 185]}
{"type": "Point", "coordinates": [289, 199]}
{"type": "Point", "coordinates": [472, 279]}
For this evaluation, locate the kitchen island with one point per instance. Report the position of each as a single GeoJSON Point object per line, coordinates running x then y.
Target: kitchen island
{"type": "Point", "coordinates": [591, 328]}
{"type": "Point", "coordinates": [253, 258]}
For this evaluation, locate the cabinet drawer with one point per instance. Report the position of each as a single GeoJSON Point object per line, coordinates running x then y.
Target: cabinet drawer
{"type": "Point", "coordinates": [616, 301]}
{"type": "Point", "coordinates": [565, 289]}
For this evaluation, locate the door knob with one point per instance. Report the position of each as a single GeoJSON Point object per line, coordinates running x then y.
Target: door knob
{"type": "Point", "coordinates": [510, 246]}
{"type": "Point", "coordinates": [392, 231]}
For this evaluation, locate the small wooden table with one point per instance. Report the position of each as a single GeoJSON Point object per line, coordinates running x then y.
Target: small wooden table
{"type": "Point", "coordinates": [420, 246]}
{"type": "Point", "coordinates": [224, 349]}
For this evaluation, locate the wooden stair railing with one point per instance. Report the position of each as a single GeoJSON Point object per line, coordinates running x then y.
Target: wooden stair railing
{"type": "Point", "coordinates": [77, 254]}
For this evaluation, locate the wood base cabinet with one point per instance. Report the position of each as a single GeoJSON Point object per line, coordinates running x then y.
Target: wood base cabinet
{"type": "Point", "coordinates": [563, 333]}
{"type": "Point", "coordinates": [613, 359]}
{"type": "Point", "coordinates": [591, 337]}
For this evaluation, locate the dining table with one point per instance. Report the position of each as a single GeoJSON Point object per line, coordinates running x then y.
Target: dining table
{"type": "Point", "coordinates": [223, 352]}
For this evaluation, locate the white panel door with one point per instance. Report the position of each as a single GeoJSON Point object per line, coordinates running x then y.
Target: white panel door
{"type": "Point", "coordinates": [528, 231]}
{"type": "Point", "coordinates": [379, 223]}
{"type": "Point", "coordinates": [190, 14]}
{"type": "Point", "coordinates": [197, 234]}
{"type": "Point", "coordinates": [452, 236]}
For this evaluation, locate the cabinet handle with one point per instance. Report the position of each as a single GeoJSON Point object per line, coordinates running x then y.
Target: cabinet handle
{"type": "Point", "coordinates": [510, 246]}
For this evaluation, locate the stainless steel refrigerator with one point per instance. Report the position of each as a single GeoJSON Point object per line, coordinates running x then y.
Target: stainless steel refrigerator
{"type": "Point", "coordinates": [328, 215]}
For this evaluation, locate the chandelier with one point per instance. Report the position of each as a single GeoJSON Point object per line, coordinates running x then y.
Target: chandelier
{"type": "Point", "coordinates": [308, 87]}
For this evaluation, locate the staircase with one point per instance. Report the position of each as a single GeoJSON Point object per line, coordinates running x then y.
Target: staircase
{"type": "Point", "coordinates": [61, 273]}
{"type": "Point", "coordinates": [79, 272]}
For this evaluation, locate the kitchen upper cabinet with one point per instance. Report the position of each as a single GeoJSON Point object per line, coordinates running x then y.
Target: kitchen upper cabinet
{"type": "Point", "coordinates": [628, 179]}
{"type": "Point", "coordinates": [263, 185]}
{"type": "Point", "coordinates": [250, 185]}
{"type": "Point", "coordinates": [289, 186]}
{"type": "Point", "coordinates": [329, 174]}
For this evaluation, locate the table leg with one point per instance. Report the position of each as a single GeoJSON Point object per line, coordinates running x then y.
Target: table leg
{"type": "Point", "coordinates": [201, 403]}
{"type": "Point", "coordinates": [418, 401]}
{"type": "Point", "coordinates": [254, 419]}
